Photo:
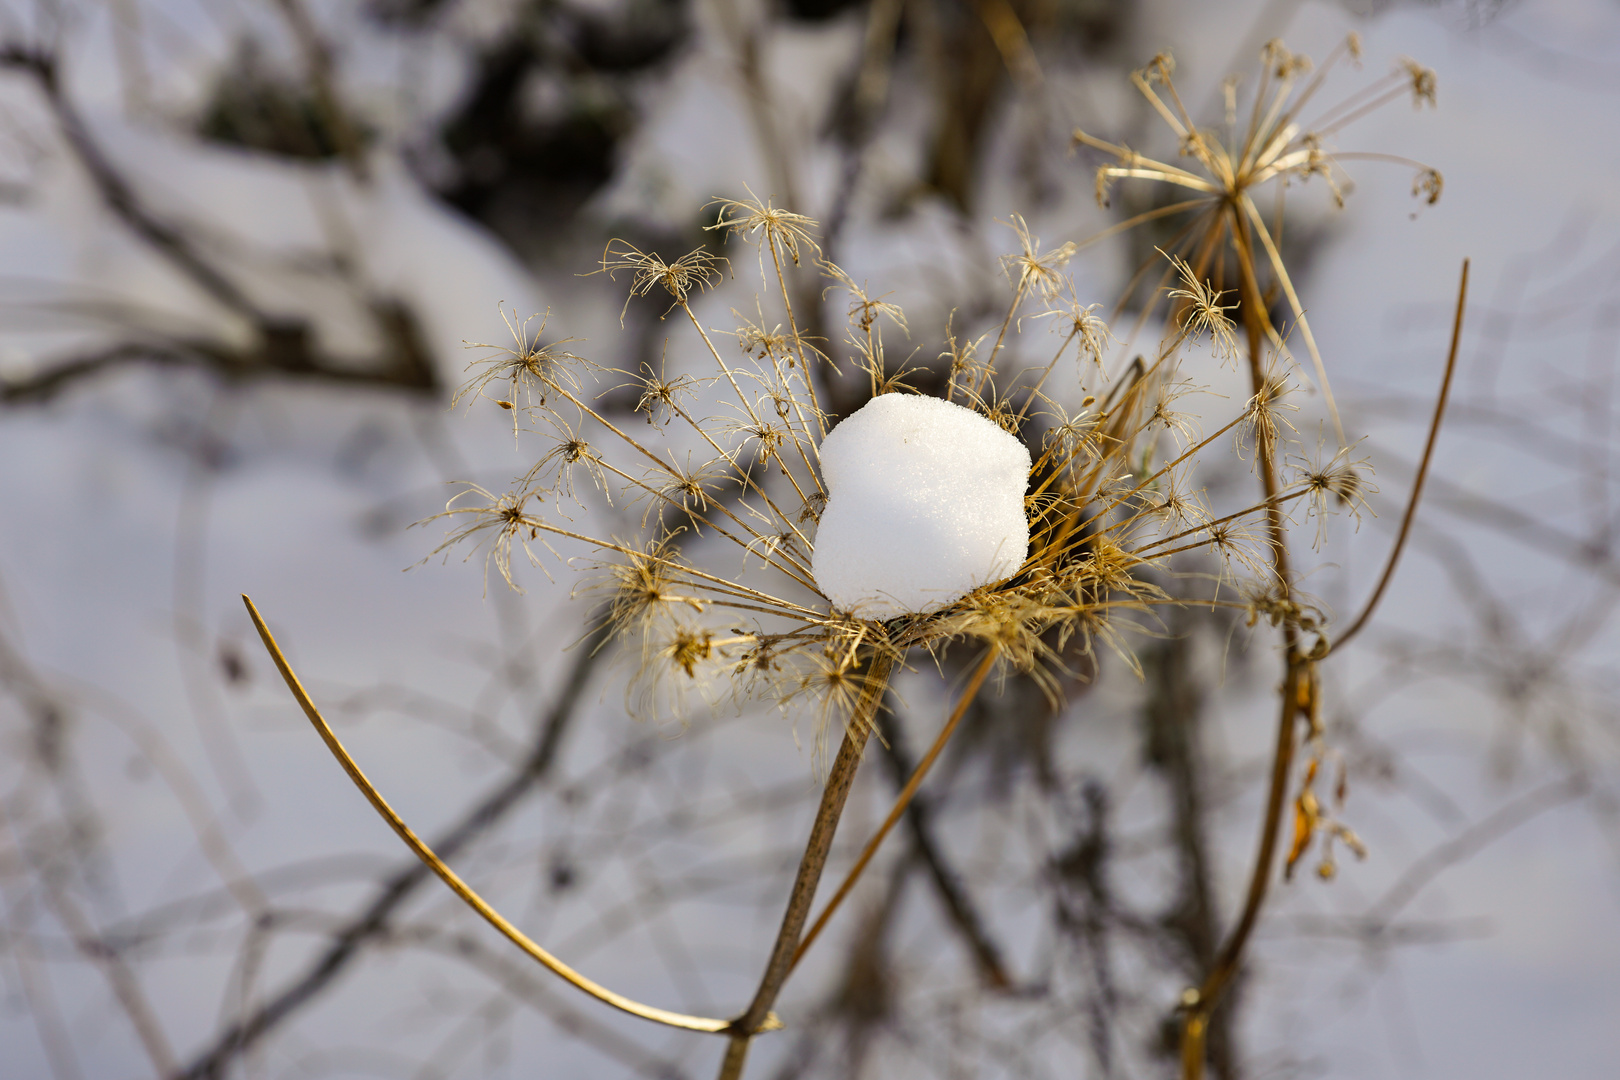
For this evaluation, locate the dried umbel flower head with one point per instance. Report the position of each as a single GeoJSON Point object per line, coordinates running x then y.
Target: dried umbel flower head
{"type": "Point", "coordinates": [859, 544]}
{"type": "Point", "coordinates": [529, 371]}
{"type": "Point", "coordinates": [842, 557]}
{"type": "Point", "coordinates": [1220, 183]}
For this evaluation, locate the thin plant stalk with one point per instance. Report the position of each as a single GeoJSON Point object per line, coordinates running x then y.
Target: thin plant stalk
{"type": "Point", "coordinates": [1200, 1002]}
{"type": "Point", "coordinates": [461, 888]}
{"type": "Point", "coordinates": [1423, 466]}
{"type": "Point", "coordinates": [1296, 696]}
{"type": "Point", "coordinates": [833, 797]}
{"type": "Point", "coordinates": [901, 802]}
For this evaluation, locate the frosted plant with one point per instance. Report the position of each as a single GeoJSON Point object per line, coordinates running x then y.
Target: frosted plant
{"type": "Point", "coordinates": [994, 514]}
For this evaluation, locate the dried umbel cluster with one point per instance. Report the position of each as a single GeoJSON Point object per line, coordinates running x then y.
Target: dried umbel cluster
{"type": "Point", "coordinates": [1228, 167]}
{"type": "Point", "coordinates": [1111, 495]}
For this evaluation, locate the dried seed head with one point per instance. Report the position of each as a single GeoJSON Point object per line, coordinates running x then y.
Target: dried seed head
{"type": "Point", "coordinates": [1264, 416]}
{"type": "Point", "coordinates": [695, 271]}
{"type": "Point", "coordinates": [864, 310]}
{"type": "Point", "coordinates": [1338, 483]}
{"type": "Point", "coordinates": [659, 396]}
{"type": "Point", "coordinates": [1029, 270]}
{"type": "Point", "coordinates": [687, 488]}
{"type": "Point", "coordinates": [1283, 63]}
{"type": "Point", "coordinates": [1422, 81]}
{"type": "Point", "coordinates": [1070, 316]}
{"type": "Point", "coordinates": [643, 587]}
{"type": "Point", "coordinates": [785, 231]}
{"type": "Point", "coordinates": [526, 373]}
{"type": "Point", "coordinates": [1202, 311]}
{"type": "Point", "coordinates": [557, 467]}
{"type": "Point", "coordinates": [1427, 185]}
{"type": "Point", "coordinates": [496, 520]}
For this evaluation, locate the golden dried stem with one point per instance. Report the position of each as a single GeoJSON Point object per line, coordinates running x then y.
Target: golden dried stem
{"type": "Point", "coordinates": [1200, 1002]}
{"type": "Point", "coordinates": [461, 888]}
{"type": "Point", "coordinates": [1296, 695]}
{"type": "Point", "coordinates": [901, 802]}
{"type": "Point", "coordinates": [833, 797]}
{"type": "Point", "coordinates": [1423, 465]}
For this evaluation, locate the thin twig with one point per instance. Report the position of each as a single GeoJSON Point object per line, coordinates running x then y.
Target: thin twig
{"type": "Point", "coordinates": [449, 877]}
{"type": "Point", "coordinates": [371, 921]}
{"type": "Point", "coordinates": [1423, 467]}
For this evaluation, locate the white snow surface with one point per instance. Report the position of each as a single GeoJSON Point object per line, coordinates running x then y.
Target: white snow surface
{"type": "Point", "coordinates": [925, 502]}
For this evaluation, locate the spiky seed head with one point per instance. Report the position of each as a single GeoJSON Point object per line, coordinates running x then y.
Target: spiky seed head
{"type": "Point", "coordinates": [696, 271]}
{"type": "Point", "coordinates": [783, 230]}
{"type": "Point", "coordinates": [1202, 312]}
{"type": "Point", "coordinates": [1029, 270]}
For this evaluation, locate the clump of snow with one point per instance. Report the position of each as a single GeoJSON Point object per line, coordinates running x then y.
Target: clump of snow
{"type": "Point", "coordinates": [925, 502]}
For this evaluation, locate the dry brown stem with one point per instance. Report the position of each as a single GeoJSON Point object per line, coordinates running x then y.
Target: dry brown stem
{"type": "Point", "coordinates": [833, 797]}
{"type": "Point", "coordinates": [450, 878]}
{"type": "Point", "coordinates": [1423, 466]}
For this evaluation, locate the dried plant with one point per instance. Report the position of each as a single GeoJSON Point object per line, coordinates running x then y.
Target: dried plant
{"type": "Point", "coordinates": [1115, 518]}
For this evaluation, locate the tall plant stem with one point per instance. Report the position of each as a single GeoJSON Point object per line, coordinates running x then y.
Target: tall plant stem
{"type": "Point", "coordinates": [907, 793]}
{"type": "Point", "coordinates": [1201, 1001]}
{"type": "Point", "coordinates": [1296, 691]}
{"type": "Point", "coordinates": [833, 796]}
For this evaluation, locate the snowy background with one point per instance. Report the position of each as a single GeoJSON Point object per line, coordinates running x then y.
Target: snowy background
{"type": "Point", "coordinates": [138, 502]}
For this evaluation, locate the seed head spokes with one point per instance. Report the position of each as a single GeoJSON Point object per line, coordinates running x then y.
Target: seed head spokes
{"type": "Point", "coordinates": [526, 372]}
{"type": "Point", "coordinates": [1070, 316]}
{"type": "Point", "coordinates": [1340, 482]}
{"type": "Point", "coordinates": [696, 271]}
{"type": "Point", "coordinates": [1265, 414]}
{"type": "Point", "coordinates": [498, 521]}
{"type": "Point", "coordinates": [864, 309]}
{"type": "Point", "coordinates": [658, 395]}
{"type": "Point", "coordinates": [1201, 313]}
{"type": "Point", "coordinates": [1029, 271]}
{"type": "Point", "coordinates": [785, 232]}
{"type": "Point", "coordinates": [570, 453]}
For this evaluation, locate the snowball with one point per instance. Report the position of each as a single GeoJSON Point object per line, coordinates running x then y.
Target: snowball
{"type": "Point", "coordinates": [925, 502]}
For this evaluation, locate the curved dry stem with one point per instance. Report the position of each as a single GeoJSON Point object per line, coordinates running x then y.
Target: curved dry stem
{"type": "Point", "coordinates": [1423, 466]}
{"type": "Point", "coordinates": [459, 887]}
{"type": "Point", "coordinates": [907, 793]}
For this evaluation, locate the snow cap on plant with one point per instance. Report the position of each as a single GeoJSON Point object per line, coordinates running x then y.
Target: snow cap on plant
{"type": "Point", "coordinates": [911, 522]}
